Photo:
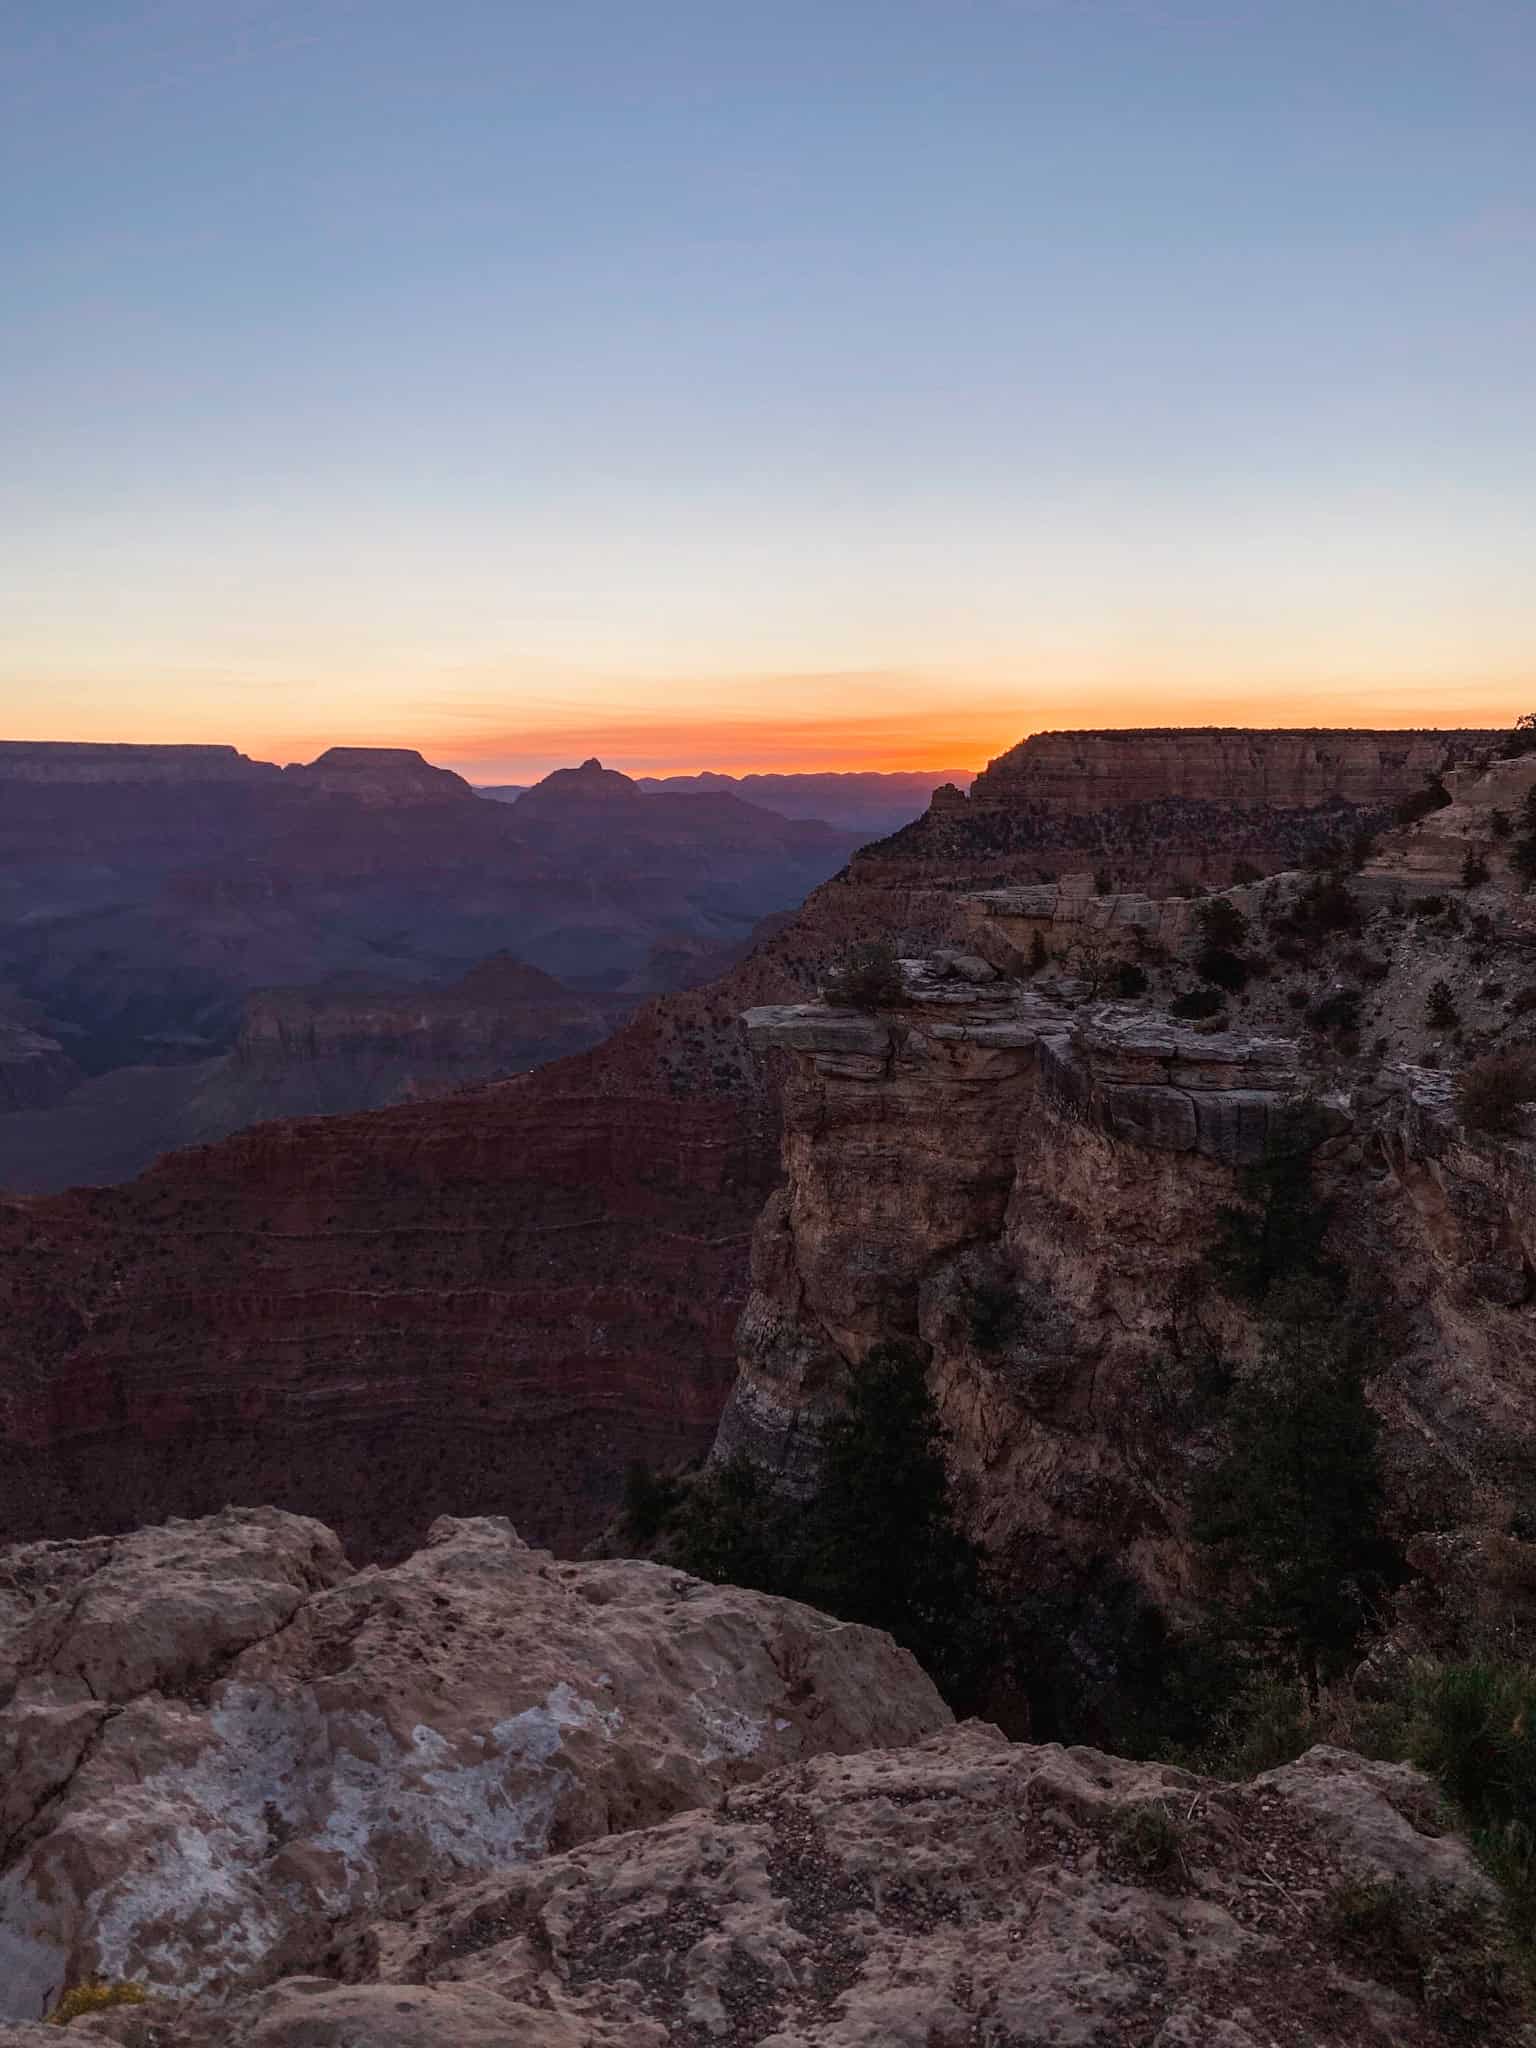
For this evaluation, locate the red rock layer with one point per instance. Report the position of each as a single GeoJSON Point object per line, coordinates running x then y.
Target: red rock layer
{"type": "Point", "coordinates": [494, 1301]}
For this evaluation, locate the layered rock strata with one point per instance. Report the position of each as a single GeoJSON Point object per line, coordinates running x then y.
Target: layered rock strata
{"type": "Point", "coordinates": [221, 1745]}
{"type": "Point", "coordinates": [1029, 1188]}
{"type": "Point", "coordinates": [1070, 773]}
{"type": "Point", "coordinates": [1155, 808]}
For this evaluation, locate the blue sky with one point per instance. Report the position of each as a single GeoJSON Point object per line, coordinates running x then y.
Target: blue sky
{"type": "Point", "coordinates": [737, 383]}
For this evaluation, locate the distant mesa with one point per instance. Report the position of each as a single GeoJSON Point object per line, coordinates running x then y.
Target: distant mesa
{"type": "Point", "coordinates": [85, 761]}
{"type": "Point", "coordinates": [381, 775]}
{"type": "Point", "coordinates": [591, 783]}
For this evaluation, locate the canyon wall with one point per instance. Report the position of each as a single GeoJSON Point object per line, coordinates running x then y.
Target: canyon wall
{"type": "Point", "coordinates": [1156, 808]}
{"type": "Point", "coordinates": [1069, 773]}
{"type": "Point", "coordinates": [1028, 1181]}
{"type": "Point", "coordinates": [494, 1302]}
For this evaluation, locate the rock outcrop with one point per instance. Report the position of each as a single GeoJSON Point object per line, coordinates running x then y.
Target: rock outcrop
{"type": "Point", "coordinates": [1073, 773]}
{"type": "Point", "coordinates": [960, 1890]}
{"type": "Point", "coordinates": [221, 1746]}
{"type": "Point", "coordinates": [1028, 1182]}
{"type": "Point", "coordinates": [1155, 808]}
{"type": "Point", "coordinates": [1025, 1187]}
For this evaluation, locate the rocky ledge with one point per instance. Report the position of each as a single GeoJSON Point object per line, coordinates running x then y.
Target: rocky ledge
{"type": "Point", "coordinates": [962, 1890]}
{"type": "Point", "coordinates": [220, 1745]}
{"type": "Point", "coordinates": [1132, 1073]}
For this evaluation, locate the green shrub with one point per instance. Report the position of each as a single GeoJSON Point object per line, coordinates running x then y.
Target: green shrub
{"type": "Point", "coordinates": [1445, 1951]}
{"type": "Point", "coordinates": [1499, 824]}
{"type": "Point", "coordinates": [1130, 980]}
{"type": "Point", "coordinates": [1224, 970]}
{"type": "Point", "coordinates": [1324, 906]}
{"type": "Point", "coordinates": [1440, 1012]}
{"type": "Point", "coordinates": [1221, 924]}
{"type": "Point", "coordinates": [1244, 871]}
{"type": "Point", "coordinates": [1337, 1013]}
{"type": "Point", "coordinates": [1474, 869]}
{"type": "Point", "coordinates": [1150, 1839]}
{"type": "Point", "coordinates": [1521, 739]}
{"type": "Point", "coordinates": [869, 979]}
{"type": "Point", "coordinates": [1039, 952]}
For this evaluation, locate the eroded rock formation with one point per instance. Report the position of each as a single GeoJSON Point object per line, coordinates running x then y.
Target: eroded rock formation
{"type": "Point", "coordinates": [219, 1745]}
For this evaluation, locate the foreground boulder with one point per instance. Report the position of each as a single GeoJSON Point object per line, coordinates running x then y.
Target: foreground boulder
{"type": "Point", "coordinates": [220, 1745]}
{"type": "Point", "coordinates": [962, 1891]}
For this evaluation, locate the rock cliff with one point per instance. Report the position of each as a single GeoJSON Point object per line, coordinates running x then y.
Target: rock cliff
{"type": "Point", "coordinates": [1028, 1181]}
{"type": "Point", "coordinates": [1070, 773]}
{"type": "Point", "coordinates": [221, 1745]}
{"type": "Point", "coordinates": [1157, 807]}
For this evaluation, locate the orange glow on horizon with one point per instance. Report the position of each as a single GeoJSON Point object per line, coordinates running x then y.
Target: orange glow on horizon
{"type": "Point", "coordinates": [868, 720]}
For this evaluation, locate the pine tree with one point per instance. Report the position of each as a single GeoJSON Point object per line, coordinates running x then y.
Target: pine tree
{"type": "Point", "coordinates": [1293, 1511]}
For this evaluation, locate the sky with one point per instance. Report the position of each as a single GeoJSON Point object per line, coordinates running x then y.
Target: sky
{"type": "Point", "coordinates": [762, 383]}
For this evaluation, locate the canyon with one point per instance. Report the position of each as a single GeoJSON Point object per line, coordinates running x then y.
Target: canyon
{"type": "Point", "coordinates": [159, 906]}
{"type": "Point", "coordinates": [493, 1302]}
{"type": "Point", "coordinates": [462, 1791]}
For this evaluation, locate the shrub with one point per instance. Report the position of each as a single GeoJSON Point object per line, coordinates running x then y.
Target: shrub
{"type": "Point", "coordinates": [870, 979]}
{"type": "Point", "coordinates": [1039, 952]}
{"type": "Point", "coordinates": [1440, 1012]}
{"type": "Point", "coordinates": [1244, 871]}
{"type": "Point", "coordinates": [1427, 906]}
{"type": "Point", "coordinates": [1499, 824]}
{"type": "Point", "coordinates": [1324, 906]}
{"type": "Point", "coordinates": [1225, 970]}
{"type": "Point", "coordinates": [1130, 980]}
{"type": "Point", "coordinates": [1197, 1002]}
{"type": "Point", "coordinates": [1474, 869]}
{"type": "Point", "coordinates": [1522, 858]}
{"type": "Point", "coordinates": [1521, 739]}
{"type": "Point", "coordinates": [1493, 1091]}
{"type": "Point", "coordinates": [1103, 882]}
{"type": "Point", "coordinates": [94, 1996]}
{"type": "Point", "coordinates": [1338, 1012]}
{"type": "Point", "coordinates": [1447, 1952]}
{"type": "Point", "coordinates": [1149, 1838]}
{"type": "Point", "coordinates": [1222, 924]}
{"type": "Point", "coordinates": [649, 1502]}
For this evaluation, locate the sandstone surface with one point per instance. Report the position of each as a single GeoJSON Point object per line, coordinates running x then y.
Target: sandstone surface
{"type": "Point", "coordinates": [221, 1745]}
{"type": "Point", "coordinates": [959, 1891]}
